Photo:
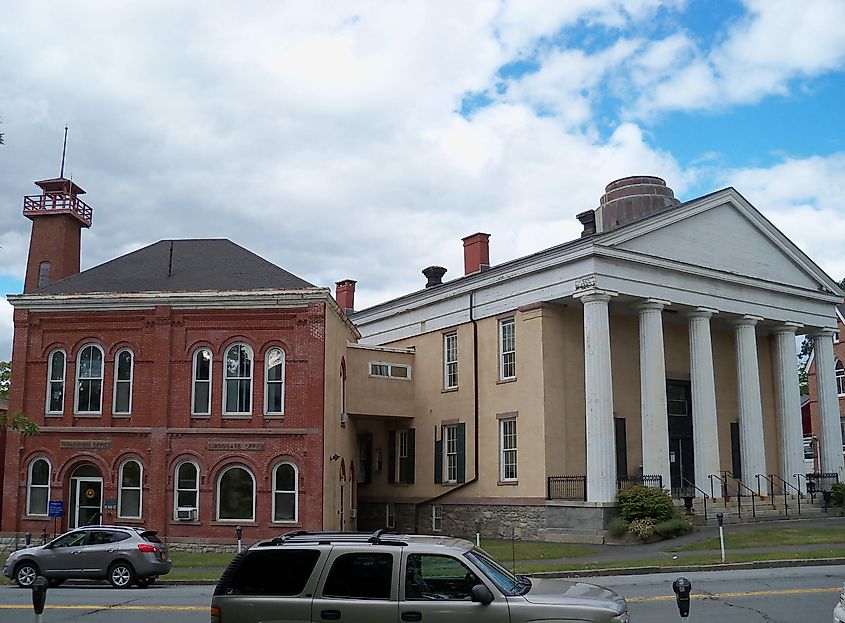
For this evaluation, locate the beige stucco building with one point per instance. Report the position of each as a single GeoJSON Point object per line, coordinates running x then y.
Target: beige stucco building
{"type": "Point", "coordinates": [661, 343]}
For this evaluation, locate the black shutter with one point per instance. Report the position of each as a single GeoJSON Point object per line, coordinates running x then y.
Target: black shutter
{"type": "Point", "coordinates": [438, 461]}
{"type": "Point", "coordinates": [621, 448]}
{"type": "Point", "coordinates": [368, 457]}
{"type": "Point", "coordinates": [409, 478]}
{"type": "Point", "coordinates": [462, 454]}
{"type": "Point", "coordinates": [391, 456]}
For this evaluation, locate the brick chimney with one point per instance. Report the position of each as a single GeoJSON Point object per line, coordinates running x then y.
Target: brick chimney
{"type": "Point", "coordinates": [344, 294]}
{"type": "Point", "coordinates": [476, 253]}
{"type": "Point", "coordinates": [58, 216]}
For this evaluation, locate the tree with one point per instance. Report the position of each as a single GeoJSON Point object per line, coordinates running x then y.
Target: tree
{"type": "Point", "coordinates": [5, 379]}
{"type": "Point", "coordinates": [18, 421]}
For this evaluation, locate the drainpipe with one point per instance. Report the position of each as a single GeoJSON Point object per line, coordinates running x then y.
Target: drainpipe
{"type": "Point", "coordinates": [475, 418]}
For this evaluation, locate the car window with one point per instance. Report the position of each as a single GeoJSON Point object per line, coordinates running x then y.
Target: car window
{"type": "Point", "coordinates": [102, 537]}
{"type": "Point", "coordinates": [504, 580]}
{"type": "Point", "coordinates": [273, 572]}
{"type": "Point", "coordinates": [360, 576]}
{"type": "Point", "coordinates": [72, 539]}
{"type": "Point", "coordinates": [118, 535]}
{"type": "Point", "coordinates": [434, 577]}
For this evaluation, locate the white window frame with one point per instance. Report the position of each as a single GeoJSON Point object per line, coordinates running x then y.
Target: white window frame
{"type": "Point", "coordinates": [507, 351]}
{"type": "Point", "coordinates": [450, 360]}
{"type": "Point", "coordinates": [436, 518]}
{"type": "Point", "coordinates": [130, 380]}
{"type": "Point", "coordinates": [51, 381]}
{"type": "Point", "coordinates": [139, 489]}
{"type": "Point", "coordinates": [30, 486]}
{"type": "Point", "coordinates": [389, 369]}
{"type": "Point", "coordinates": [267, 381]}
{"type": "Point", "coordinates": [450, 453]}
{"type": "Point", "coordinates": [195, 380]}
{"type": "Point", "coordinates": [508, 445]}
{"type": "Point", "coordinates": [226, 378]}
{"type": "Point", "coordinates": [295, 493]}
{"type": "Point", "coordinates": [217, 504]}
{"type": "Point", "coordinates": [390, 515]}
{"type": "Point", "coordinates": [839, 372]}
{"type": "Point", "coordinates": [89, 378]}
{"type": "Point", "coordinates": [177, 489]}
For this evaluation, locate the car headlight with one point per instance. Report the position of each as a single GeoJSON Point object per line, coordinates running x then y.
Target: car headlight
{"type": "Point", "coordinates": [625, 617]}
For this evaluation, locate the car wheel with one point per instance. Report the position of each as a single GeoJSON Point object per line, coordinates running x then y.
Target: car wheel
{"type": "Point", "coordinates": [121, 575]}
{"type": "Point", "coordinates": [55, 582]}
{"type": "Point", "coordinates": [25, 574]}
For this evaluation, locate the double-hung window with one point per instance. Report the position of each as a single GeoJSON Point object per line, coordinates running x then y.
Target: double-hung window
{"type": "Point", "coordinates": [237, 386]}
{"type": "Point", "coordinates": [507, 349]}
{"type": "Point", "coordinates": [187, 488]}
{"type": "Point", "coordinates": [284, 493]}
{"type": "Point", "coordinates": [89, 380]}
{"type": "Point", "coordinates": [123, 382]}
{"type": "Point", "coordinates": [56, 382]}
{"type": "Point", "coordinates": [129, 493]}
{"type": "Point", "coordinates": [450, 437]}
{"type": "Point", "coordinates": [507, 452]}
{"type": "Point", "coordinates": [38, 490]}
{"type": "Point", "coordinates": [274, 382]}
{"type": "Point", "coordinates": [450, 361]}
{"type": "Point", "coordinates": [236, 495]}
{"type": "Point", "coordinates": [201, 391]}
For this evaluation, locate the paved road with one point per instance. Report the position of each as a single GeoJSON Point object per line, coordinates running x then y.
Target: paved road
{"type": "Point", "coordinates": [791, 595]}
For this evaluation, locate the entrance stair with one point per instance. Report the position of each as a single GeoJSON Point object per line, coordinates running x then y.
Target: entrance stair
{"type": "Point", "coordinates": [765, 508]}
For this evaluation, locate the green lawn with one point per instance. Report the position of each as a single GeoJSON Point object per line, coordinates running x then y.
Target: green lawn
{"type": "Point", "coordinates": [185, 560]}
{"type": "Point", "coordinates": [505, 551]}
{"type": "Point", "coordinates": [743, 539]}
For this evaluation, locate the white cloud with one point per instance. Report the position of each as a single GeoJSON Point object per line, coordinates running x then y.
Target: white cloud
{"type": "Point", "coordinates": [6, 329]}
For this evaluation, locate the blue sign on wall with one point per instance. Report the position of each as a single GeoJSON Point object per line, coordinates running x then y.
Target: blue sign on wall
{"type": "Point", "coordinates": [56, 508]}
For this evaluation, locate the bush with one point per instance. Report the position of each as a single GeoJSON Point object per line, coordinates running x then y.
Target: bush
{"type": "Point", "coordinates": [837, 497]}
{"type": "Point", "coordinates": [642, 528]}
{"type": "Point", "coordinates": [641, 502]}
{"type": "Point", "coordinates": [617, 527]}
{"type": "Point", "coordinates": [673, 527]}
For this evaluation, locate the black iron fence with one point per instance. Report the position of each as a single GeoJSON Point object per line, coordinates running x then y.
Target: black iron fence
{"type": "Point", "coordinates": [647, 480]}
{"type": "Point", "coordinates": [819, 482]}
{"type": "Point", "coordinates": [566, 488]}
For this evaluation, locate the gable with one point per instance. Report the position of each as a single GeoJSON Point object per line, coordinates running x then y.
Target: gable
{"type": "Point", "coordinates": [723, 238]}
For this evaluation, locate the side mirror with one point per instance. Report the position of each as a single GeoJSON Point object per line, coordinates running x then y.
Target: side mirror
{"type": "Point", "coordinates": [482, 594]}
{"type": "Point", "coordinates": [683, 589]}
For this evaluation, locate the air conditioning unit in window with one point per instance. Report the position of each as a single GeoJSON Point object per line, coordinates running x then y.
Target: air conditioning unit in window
{"type": "Point", "coordinates": [344, 418]}
{"type": "Point", "coordinates": [353, 513]}
{"type": "Point", "coordinates": [186, 514]}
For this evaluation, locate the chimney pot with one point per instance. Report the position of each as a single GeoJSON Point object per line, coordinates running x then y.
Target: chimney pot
{"type": "Point", "coordinates": [344, 294]}
{"type": "Point", "coordinates": [588, 220]}
{"type": "Point", "coordinates": [434, 274]}
{"type": "Point", "coordinates": [476, 253]}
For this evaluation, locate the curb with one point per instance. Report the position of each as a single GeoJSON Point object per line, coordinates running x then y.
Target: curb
{"type": "Point", "coordinates": [728, 566]}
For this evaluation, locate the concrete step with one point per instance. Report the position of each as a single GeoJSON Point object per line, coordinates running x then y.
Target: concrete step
{"type": "Point", "coordinates": [572, 535]}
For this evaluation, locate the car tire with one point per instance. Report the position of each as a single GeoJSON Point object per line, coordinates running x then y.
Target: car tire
{"type": "Point", "coordinates": [55, 582]}
{"type": "Point", "coordinates": [121, 575]}
{"type": "Point", "coordinates": [25, 574]}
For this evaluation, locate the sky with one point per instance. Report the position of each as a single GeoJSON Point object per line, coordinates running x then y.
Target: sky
{"type": "Point", "coordinates": [363, 140]}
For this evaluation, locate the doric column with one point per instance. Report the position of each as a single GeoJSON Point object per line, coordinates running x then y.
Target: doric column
{"type": "Point", "coordinates": [830, 434]}
{"type": "Point", "coordinates": [705, 429]}
{"type": "Point", "coordinates": [788, 393]}
{"type": "Point", "coordinates": [752, 446]}
{"type": "Point", "coordinates": [655, 423]}
{"type": "Point", "coordinates": [598, 387]}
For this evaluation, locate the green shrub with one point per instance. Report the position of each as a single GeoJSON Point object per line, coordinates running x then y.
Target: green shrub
{"type": "Point", "coordinates": [617, 527]}
{"type": "Point", "coordinates": [640, 502]}
{"type": "Point", "coordinates": [673, 527]}
{"type": "Point", "coordinates": [642, 528]}
{"type": "Point", "coordinates": [837, 497]}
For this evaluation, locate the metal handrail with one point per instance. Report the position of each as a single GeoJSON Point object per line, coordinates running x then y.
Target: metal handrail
{"type": "Point", "coordinates": [740, 484]}
{"type": "Point", "coordinates": [706, 497]}
{"type": "Point", "coordinates": [771, 487]}
{"type": "Point", "coordinates": [724, 487]}
{"type": "Point", "coordinates": [791, 486]}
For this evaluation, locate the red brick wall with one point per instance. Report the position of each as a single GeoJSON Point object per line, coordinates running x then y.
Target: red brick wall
{"type": "Point", "coordinates": [838, 353]}
{"type": "Point", "coordinates": [56, 239]}
{"type": "Point", "coordinates": [161, 431]}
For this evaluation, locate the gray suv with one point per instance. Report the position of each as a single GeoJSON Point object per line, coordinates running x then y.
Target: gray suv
{"type": "Point", "coordinates": [362, 577]}
{"type": "Point", "coordinates": [122, 555]}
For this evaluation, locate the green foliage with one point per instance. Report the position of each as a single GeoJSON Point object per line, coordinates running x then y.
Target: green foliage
{"type": "Point", "coordinates": [837, 497]}
{"type": "Point", "coordinates": [642, 528]}
{"type": "Point", "coordinates": [5, 379]}
{"type": "Point", "coordinates": [673, 527]}
{"type": "Point", "coordinates": [641, 502]}
{"type": "Point", "coordinates": [617, 527]}
{"type": "Point", "coordinates": [18, 422]}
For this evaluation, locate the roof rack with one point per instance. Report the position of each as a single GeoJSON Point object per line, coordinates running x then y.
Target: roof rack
{"type": "Point", "coordinates": [329, 537]}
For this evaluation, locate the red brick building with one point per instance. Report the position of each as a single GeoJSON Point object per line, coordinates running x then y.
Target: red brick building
{"type": "Point", "coordinates": [839, 372]}
{"type": "Point", "coordinates": [189, 386]}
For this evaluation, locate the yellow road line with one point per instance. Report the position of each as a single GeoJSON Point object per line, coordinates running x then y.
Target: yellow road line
{"type": "Point", "coordinates": [791, 591]}
{"type": "Point", "coordinates": [105, 607]}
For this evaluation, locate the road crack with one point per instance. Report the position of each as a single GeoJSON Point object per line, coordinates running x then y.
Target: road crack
{"type": "Point", "coordinates": [730, 604]}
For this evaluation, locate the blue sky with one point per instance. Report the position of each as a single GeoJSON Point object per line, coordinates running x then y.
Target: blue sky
{"type": "Point", "coordinates": [363, 140]}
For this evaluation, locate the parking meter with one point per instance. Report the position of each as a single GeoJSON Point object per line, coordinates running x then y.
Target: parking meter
{"type": "Point", "coordinates": [28, 538]}
{"type": "Point", "coordinates": [239, 531]}
{"type": "Point", "coordinates": [39, 596]}
{"type": "Point", "coordinates": [682, 588]}
{"type": "Point", "coordinates": [478, 533]}
{"type": "Point", "coordinates": [720, 517]}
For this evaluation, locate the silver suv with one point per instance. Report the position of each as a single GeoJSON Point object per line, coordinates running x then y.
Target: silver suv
{"type": "Point", "coordinates": [122, 555]}
{"type": "Point", "coordinates": [361, 578]}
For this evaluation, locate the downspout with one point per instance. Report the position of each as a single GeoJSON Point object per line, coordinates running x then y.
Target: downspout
{"type": "Point", "coordinates": [475, 420]}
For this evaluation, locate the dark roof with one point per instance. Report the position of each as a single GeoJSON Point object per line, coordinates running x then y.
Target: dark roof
{"type": "Point", "coordinates": [196, 265]}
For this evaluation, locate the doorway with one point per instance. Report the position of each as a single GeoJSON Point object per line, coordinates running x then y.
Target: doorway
{"type": "Point", "coordinates": [681, 456]}
{"type": "Point", "coordinates": [86, 497]}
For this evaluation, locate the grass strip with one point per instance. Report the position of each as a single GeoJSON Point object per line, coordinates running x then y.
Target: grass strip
{"type": "Point", "coordinates": [742, 539]}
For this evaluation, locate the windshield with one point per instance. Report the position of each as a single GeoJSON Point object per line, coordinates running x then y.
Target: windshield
{"type": "Point", "coordinates": [504, 580]}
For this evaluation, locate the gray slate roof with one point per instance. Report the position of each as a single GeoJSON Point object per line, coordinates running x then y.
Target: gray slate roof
{"type": "Point", "coordinates": [197, 265]}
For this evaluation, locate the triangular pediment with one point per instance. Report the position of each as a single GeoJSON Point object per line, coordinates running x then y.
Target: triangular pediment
{"type": "Point", "coordinates": [726, 235]}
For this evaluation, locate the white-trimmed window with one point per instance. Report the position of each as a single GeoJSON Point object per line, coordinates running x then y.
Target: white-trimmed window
{"type": "Point", "coordinates": [129, 492]}
{"type": "Point", "coordinates": [450, 444]}
{"type": "Point", "coordinates": [840, 378]}
{"type": "Point", "coordinates": [507, 349]}
{"type": "Point", "coordinates": [390, 370]}
{"type": "Point", "coordinates": [123, 373]}
{"type": "Point", "coordinates": [237, 384]}
{"type": "Point", "coordinates": [389, 515]}
{"type": "Point", "coordinates": [285, 489]}
{"type": "Point", "coordinates": [236, 495]}
{"type": "Point", "coordinates": [450, 360]}
{"type": "Point", "coordinates": [201, 385]}
{"type": "Point", "coordinates": [187, 488]}
{"type": "Point", "coordinates": [38, 487]}
{"type": "Point", "coordinates": [274, 382]}
{"type": "Point", "coordinates": [507, 452]}
{"type": "Point", "coordinates": [56, 382]}
{"type": "Point", "coordinates": [436, 518]}
{"type": "Point", "coordinates": [89, 380]}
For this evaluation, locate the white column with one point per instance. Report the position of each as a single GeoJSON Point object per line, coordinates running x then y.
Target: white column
{"type": "Point", "coordinates": [705, 428]}
{"type": "Point", "coordinates": [752, 445]}
{"type": "Point", "coordinates": [830, 433]}
{"type": "Point", "coordinates": [655, 422]}
{"type": "Point", "coordinates": [788, 396]}
{"type": "Point", "coordinates": [598, 387]}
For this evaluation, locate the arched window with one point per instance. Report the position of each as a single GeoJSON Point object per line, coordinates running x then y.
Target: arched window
{"type": "Point", "coordinates": [237, 384]}
{"type": "Point", "coordinates": [201, 396]}
{"type": "Point", "coordinates": [123, 371]}
{"type": "Point", "coordinates": [89, 380]}
{"type": "Point", "coordinates": [274, 382]}
{"type": "Point", "coordinates": [56, 382]}
{"type": "Point", "coordinates": [187, 498]}
{"type": "Point", "coordinates": [285, 489]}
{"type": "Point", "coordinates": [129, 492]}
{"type": "Point", "coordinates": [236, 495]}
{"type": "Point", "coordinates": [38, 487]}
{"type": "Point", "coordinates": [840, 378]}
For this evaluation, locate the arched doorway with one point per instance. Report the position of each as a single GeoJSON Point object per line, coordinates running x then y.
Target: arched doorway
{"type": "Point", "coordinates": [85, 505]}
